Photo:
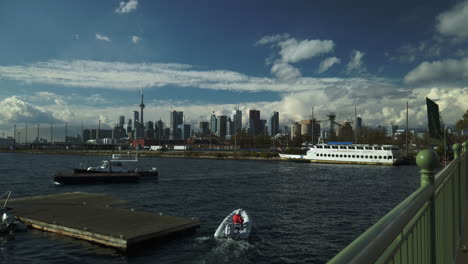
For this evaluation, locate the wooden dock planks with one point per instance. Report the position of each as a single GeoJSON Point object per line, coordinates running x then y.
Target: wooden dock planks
{"type": "Point", "coordinates": [97, 218]}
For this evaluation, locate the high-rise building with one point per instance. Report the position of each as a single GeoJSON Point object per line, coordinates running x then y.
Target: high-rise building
{"type": "Point", "coordinates": [237, 119]}
{"type": "Point", "coordinates": [204, 128]}
{"type": "Point", "coordinates": [136, 119]}
{"type": "Point", "coordinates": [274, 124]}
{"type": "Point", "coordinates": [184, 131]}
{"type": "Point", "coordinates": [221, 129]}
{"type": "Point", "coordinates": [176, 119]}
{"type": "Point", "coordinates": [254, 122]}
{"type": "Point", "coordinates": [142, 106]}
{"type": "Point", "coordinates": [213, 123]}
{"type": "Point", "coordinates": [129, 126]}
{"type": "Point", "coordinates": [295, 130]}
{"type": "Point", "coordinates": [121, 121]}
{"type": "Point", "coordinates": [358, 122]}
{"type": "Point", "coordinates": [230, 127]}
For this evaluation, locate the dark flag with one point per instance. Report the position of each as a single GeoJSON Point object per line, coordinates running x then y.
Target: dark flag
{"type": "Point", "coordinates": [433, 120]}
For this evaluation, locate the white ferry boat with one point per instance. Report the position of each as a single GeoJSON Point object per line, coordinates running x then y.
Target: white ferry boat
{"type": "Point", "coordinates": [346, 152]}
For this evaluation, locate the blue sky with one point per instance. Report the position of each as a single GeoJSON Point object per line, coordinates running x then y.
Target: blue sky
{"type": "Point", "coordinates": [73, 61]}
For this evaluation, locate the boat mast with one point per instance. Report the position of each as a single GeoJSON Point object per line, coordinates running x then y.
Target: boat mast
{"type": "Point", "coordinates": [355, 125]}
{"type": "Point", "coordinates": [312, 122]}
{"type": "Point", "coordinates": [407, 128]}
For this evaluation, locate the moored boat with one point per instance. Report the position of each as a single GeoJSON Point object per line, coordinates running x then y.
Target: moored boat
{"type": "Point", "coordinates": [115, 170]}
{"type": "Point", "coordinates": [348, 153]}
{"type": "Point", "coordinates": [229, 230]}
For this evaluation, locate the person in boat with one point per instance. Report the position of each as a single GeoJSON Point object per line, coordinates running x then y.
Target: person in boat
{"type": "Point", "coordinates": [237, 219]}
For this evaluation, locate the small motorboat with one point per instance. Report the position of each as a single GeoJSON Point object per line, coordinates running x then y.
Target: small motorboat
{"type": "Point", "coordinates": [115, 170]}
{"type": "Point", "coordinates": [229, 230]}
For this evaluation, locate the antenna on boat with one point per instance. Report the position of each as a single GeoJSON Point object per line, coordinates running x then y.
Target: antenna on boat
{"type": "Point", "coordinates": [407, 128]}
{"type": "Point", "coordinates": [8, 197]}
{"type": "Point", "coordinates": [355, 125]}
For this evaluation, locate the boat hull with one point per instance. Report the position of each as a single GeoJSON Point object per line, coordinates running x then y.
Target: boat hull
{"type": "Point", "coordinates": [87, 178]}
{"type": "Point", "coordinates": [228, 230]}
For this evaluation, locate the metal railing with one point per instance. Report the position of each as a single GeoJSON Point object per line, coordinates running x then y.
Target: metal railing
{"type": "Point", "coordinates": [424, 228]}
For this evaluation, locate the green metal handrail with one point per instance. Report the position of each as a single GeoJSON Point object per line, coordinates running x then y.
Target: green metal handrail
{"type": "Point", "coordinates": [424, 228]}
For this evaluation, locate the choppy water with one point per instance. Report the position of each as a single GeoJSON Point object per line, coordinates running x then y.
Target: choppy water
{"type": "Point", "coordinates": [303, 212]}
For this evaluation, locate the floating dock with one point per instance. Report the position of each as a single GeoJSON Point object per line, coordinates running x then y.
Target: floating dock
{"type": "Point", "coordinates": [97, 218]}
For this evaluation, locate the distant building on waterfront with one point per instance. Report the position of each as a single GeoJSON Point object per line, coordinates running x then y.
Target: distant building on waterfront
{"type": "Point", "coordinates": [121, 121]}
{"type": "Point", "coordinates": [391, 130]}
{"type": "Point", "coordinates": [221, 129]}
{"type": "Point", "coordinates": [176, 119]}
{"type": "Point", "coordinates": [295, 130]}
{"type": "Point", "coordinates": [237, 120]}
{"type": "Point", "coordinates": [204, 129]}
{"type": "Point", "coordinates": [274, 124]}
{"type": "Point", "coordinates": [213, 124]}
{"type": "Point", "coordinates": [254, 122]}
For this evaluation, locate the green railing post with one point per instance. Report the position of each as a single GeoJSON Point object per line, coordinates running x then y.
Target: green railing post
{"type": "Point", "coordinates": [428, 160]}
{"type": "Point", "coordinates": [464, 145]}
{"type": "Point", "coordinates": [456, 150]}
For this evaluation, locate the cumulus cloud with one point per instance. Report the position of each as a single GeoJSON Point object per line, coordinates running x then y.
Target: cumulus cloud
{"type": "Point", "coordinates": [453, 22]}
{"type": "Point", "coordinates": [285, 71]}
{"type": "Point", "coordinates": [355, 64]}
{"type": "Point", "coordinates": [293, 51]}
{"type": "Point", "coordinates": [444, 71]}
{"type": "Point", "coordinates": [16, 109]}
{"type": "Point", "coordinates": [327, 64]}
{"type": "Point", "coordinates": [136, 39]}
{"type": "Point", "coordinates": [271, 39]}
{"type": "Point", "coordinates": [102, 37]}
{"type": "Point", "coordinates": [127, 7]}
{"type": "Point", "coordinates": [380, 100]}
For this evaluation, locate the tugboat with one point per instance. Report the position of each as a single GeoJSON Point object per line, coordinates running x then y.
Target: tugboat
{"type": "Point", "coordinates": [113, 170]}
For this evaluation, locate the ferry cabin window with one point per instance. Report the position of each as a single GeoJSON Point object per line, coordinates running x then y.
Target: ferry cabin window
{"type": "Point", "coordinates": [370, 148]}
{"type": "Point", "coordinates": [394, 148]}
{"type": "Point", "coordinates": [342, 147]}
{"type": "Point", "coordinates": [380, 157]}
{"type": "Point", "coordinates": [359, 148]}
{"type": "Point", "coordinates": [386, 148]}
{"type": "Point", "coordinates": [326, 147]}
{"type": "Point", "coordinates": [334, 147]}
{"type": "Point", "coordinates": [367, 156]}
{"type": "Point", "coordinates": [319, 146]}
{"type": "Point", "coordinates": [389, 157]}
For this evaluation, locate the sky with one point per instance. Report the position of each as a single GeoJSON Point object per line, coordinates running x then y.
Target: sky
{"type": "Point", "coordinates": [84, 61]}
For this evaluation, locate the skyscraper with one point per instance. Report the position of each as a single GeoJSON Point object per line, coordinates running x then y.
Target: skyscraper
{"type": "Point", "coordinates": [176, 119]}
{"type": "Point", "coordinates": [254, 122]}
{"type": "Point", "coordinates": [121, 121]}
{"type": "Point", "coordinates": [135, 119]}
{"type": "Point", "coordinates": [213, 123]}
{"type": "Point", "coordinates": [274, 124]}
{"type": "Point", "coordinates": [237, 119]}
{"type": "Point", "coordinates": [221, 130]}
{"type": "Point", "coordinates": [142, 105]}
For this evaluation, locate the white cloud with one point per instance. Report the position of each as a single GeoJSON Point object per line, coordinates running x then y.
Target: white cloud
{"type": "Point", "coordinates": [380, 100]}
{"type": "Point", "coordinates": [356, 65]}
{"type": "Point", "coordinates": [271, 39]}
{"type": "Point", "coordinates": [127, 7]}
{"type": "Point", "coordinates": [453, 22]}
{"type": "Point", "coordinates": [293, 51]}
{"type": "Point", "coordinates": [102, 37]}
{"type": "Point", "coordinates": [136, 39]}
{"type": "Point", "coordinates": [327, 64]}
{"type": "Point", "coordinates": [285, 71]}
{"type": "Point", "coordinates": [15, 109]}
{"type": "Point", "coordinates": [444, 71]}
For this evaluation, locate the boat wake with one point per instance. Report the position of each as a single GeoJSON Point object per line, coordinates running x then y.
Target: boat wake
{"type": "Point", "coordinates": [228, 251]}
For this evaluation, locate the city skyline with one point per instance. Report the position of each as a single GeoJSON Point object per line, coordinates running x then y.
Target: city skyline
{"type": "Point", "coordinates": [88, 61]}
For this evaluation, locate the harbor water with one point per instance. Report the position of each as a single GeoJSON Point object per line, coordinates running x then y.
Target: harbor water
{"type": "Point", "coordinates": [302, 212]}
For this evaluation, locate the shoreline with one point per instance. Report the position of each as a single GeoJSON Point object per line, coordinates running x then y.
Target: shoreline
{"type": "Point", "coordinates": [145, 153]}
